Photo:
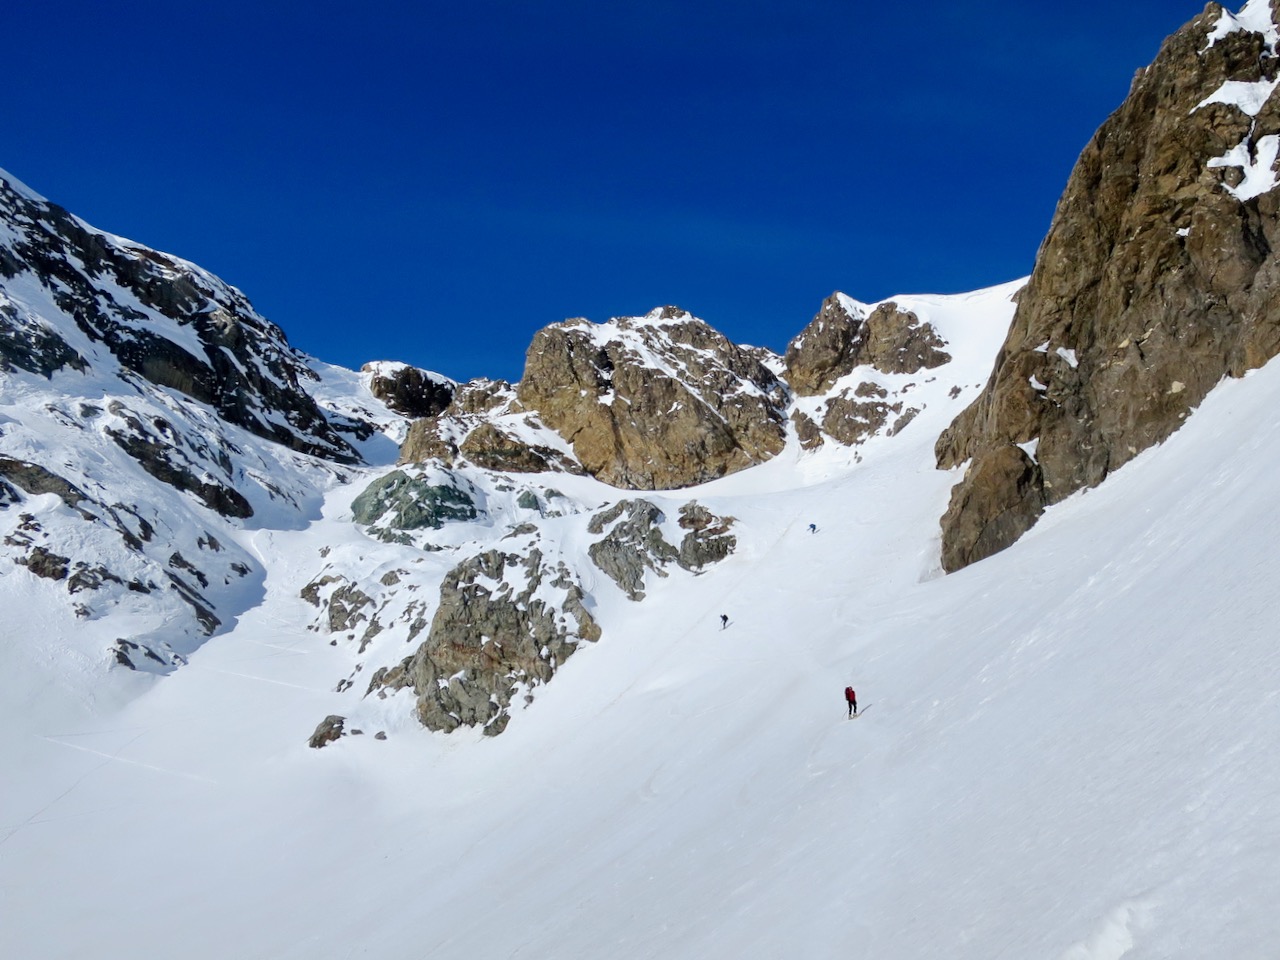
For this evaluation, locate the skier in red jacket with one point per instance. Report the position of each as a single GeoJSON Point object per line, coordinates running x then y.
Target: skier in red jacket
{"type": "Point", "coordinates": [851, 698]}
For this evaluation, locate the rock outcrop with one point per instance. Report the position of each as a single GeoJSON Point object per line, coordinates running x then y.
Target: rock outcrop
{"type": "Point", "coordinates": [707, 538]}
{"type": "Point", "coordinates": [505, 624]}
{"type": "Point", "coordinates": [654, 402]}
{"type": "Point", "coordinates": [1157, 279]}
{"type": "Point", "coordinates": [425, 441]}
{"type": "Point", "coordinates": [846, 335]}
{"type": "Point", "coordinates": [634, 544]}
{"type": "Point", "coordinates": [851, 416]}
{"type": "Point", "coordinates": [408, 390]}
{"type": "Point", "coordinates": [398, 502]}
{"type": "Point", "coordinates": [486, 426]}
{"type": "Point", "coordinates": [490, 448]}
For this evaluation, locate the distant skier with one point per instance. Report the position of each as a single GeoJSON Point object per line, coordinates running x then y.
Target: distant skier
{"type": "Point", "coordinates": [813, 528]}
{"type": "Point", "coordinates": [851, 698]}
{"type": "Point", "coordinates": [724, 620]}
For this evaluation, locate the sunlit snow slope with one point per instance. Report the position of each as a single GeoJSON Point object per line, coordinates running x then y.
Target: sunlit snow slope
{"type": "Point", "coordinates": [1066, 751]}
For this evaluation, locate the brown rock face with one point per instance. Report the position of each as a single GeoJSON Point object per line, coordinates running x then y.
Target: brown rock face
{"type": "Point", "coordinates": [997, 502]}
{"type": "Point", "coordinates": [844, 336]}
{"type": "Point", "coordinates": [488, 447]}
{"type": "Point", "coordinates": [425, 442]}
{"type": "Point", "coordinates": [1157, 279]}
{"type": "Point", "coordinates": [654, 402]}
{"type": "Point", "coordinates": [897, 342]}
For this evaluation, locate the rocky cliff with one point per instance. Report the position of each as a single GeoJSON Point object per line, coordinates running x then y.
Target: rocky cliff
{"type": "Point", "coordinates": [1158, 278]}
{"type": "Point", "coordinates": [847, 336]}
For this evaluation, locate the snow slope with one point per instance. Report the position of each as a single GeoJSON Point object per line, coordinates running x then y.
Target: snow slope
{"type": "Point", "coordinates": [1066, 751]}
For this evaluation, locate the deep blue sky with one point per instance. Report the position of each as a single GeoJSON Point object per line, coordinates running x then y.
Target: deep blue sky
{"type": "Point", "coordinates": [433, 182]}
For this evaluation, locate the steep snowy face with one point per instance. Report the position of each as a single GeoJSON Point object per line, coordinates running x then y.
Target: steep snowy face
{"type": "Point", "coordinates": [1157, 279]}
{"type": "Point", "coordinates": [148, 415]}
{"type": "Point", "coordinates": [75, 297]}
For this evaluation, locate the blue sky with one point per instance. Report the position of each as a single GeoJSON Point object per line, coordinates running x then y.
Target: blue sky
{"type": "Point", "coordinates": [433, 182]}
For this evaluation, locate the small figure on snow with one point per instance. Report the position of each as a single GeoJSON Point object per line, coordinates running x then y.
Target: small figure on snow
{"type": "Point", "coordinates": [851, 698]}
{"type": "Point", "coordinates": [724, 620]}
{"type": "Point", "coordinates": [813, 528]}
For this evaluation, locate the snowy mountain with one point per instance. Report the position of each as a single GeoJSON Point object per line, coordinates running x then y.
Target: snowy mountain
{"type": "Point", "coordinates": [308, 662]}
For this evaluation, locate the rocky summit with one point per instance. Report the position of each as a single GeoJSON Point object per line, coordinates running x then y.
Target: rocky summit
{"type": "Point", "coordinates": [655, 402]}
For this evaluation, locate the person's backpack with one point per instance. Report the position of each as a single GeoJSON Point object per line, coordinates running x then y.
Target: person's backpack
{"type": "Point", "coordinates": [848, 694]}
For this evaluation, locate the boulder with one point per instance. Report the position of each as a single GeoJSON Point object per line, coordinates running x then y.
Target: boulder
{"type": "Point", "coordinates": [327, 731]}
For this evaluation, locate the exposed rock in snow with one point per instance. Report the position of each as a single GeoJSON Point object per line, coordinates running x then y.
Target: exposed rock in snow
{"type": "Point", "coordinates": [633, 544]}
{"type": "Point", "coordinates": [408, 390]}
{"type": "Point", "coordinates": [506, 622]}
{"type": "Point", "coordinates": [397, 502]}
{"type": "Point", "coordinates": [329, 729]}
